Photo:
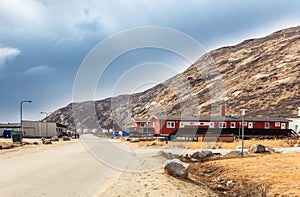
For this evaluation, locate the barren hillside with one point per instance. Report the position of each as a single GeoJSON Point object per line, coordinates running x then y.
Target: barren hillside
{"type": "Point", "coordinates": [262, 75]}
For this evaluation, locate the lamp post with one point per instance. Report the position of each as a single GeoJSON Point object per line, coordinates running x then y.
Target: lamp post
{"type": "Point", "coordinates": [21, 111]}
{"type": "Point", "coordinates": [46, 114]}
{"type": "Point", "coordinates": [243, 113]}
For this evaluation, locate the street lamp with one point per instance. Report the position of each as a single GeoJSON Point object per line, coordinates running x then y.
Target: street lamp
{"type": "Point", "coordinates": [46, 114]}
{"type": "Point", "coordinates": [21, 110]}
{"type": "Point", "coordinates": [243, 113]}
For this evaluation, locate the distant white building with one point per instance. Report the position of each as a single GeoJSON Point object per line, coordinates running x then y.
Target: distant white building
{"type": "Point", "coordinates": [42, 129]}
{"type": "Point", "coordinates": [35, 128]}
{"type": "Point", "coordinates": [295, 124]}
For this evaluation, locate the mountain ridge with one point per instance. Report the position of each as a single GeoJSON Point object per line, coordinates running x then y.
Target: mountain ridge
{"type": "Point", "coordinates": [260, 74]}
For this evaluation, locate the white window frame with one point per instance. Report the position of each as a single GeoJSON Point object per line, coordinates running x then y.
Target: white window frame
{"type": "Point", "coordinates": [211, 125]}
{"type": "Point", "coordinates": [267, 125]}
{"type": "Point", "coordinates": [222, 125]}
{"type": "Point", "coordinates": [244, 124]}
{"type": "Point", "coordinates": [170, 124]}
{"type": "Point", "coordinates": [250, 125]}
{"type": "Point", "coordinates": [232, 125]}
{"type": "Point", "coordinates": [277, 124]}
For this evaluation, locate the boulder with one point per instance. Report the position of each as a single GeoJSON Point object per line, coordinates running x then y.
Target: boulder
{"type": "Point", "coordinates": [177, 168]}
{"type": "Point", "coordinates": [66, 138]}
{"type": "Point", "coordinates": [35, 143]}
{"type": "Point", "coordinates": [54, 138]}
{"type": "Point", "coordinates": [47, 141]}
{"type": "Point", "coordinates": [201, 154]}
{"type": "Point", "coordinates": [167, 155]}
{"type": "Point", "coordinates": [296, 145]}
{"type": "Point", "coordinates": [152, 144]}
{"type": "Point", "coordinates": [257, 148]}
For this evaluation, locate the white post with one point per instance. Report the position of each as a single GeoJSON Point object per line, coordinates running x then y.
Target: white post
{"type": "Point", "coordinates": [243, 113]}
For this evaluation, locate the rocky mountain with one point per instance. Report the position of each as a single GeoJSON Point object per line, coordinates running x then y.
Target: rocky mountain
{"type": "Point", "coordinates": [262, 75]}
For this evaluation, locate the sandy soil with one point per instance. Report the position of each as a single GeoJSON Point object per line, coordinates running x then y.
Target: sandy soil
{"type": "Point", "coordinates": [154, 184]}
{"type": "Point", "coordinates": [29, 148]}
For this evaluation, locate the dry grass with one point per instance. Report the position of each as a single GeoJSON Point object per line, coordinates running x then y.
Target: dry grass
{"type": "Point", "coordinates": [277, 173]}
{"type": "Point", "coordinates": [224, 145]}
{"type": "Point", "coordinates": [233, 145]}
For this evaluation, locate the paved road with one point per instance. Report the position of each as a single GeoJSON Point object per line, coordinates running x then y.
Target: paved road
{"type": "Point", "coordinates": [68, 170]}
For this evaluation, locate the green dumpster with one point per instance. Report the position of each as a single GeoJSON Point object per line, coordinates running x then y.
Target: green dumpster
{"type": "Point", "coordinates": [16, 136]}
{"type": "Point", "coordinates": [173, 137]}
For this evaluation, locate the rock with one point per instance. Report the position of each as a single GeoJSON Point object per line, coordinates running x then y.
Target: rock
{"type": "Point", "coordinates": [218, 147]}
{"type": "Point", "coordinates": [65, 138]}
{"type": "Point", "coordinates": [152, 144]}
{"type": "Point", "coordinates": [257, 148]}
{"type": "Point", "coordinates": [177, 168]}
{"type": "Point", "coordinates": [127, 139]}
{"type": "Point", "coordinates": [170, 156]}
{"type": "Point", "coordinates": [133, 140]}
{"type": "Point", "coordinates": [234, 152]}
{"type": "Point", "coordinates": [270, 150]}
{"type": "Point", "coordinates": [54, 138]}
{"type": "Point", "coordinates": [229, 184]}
{"type": "Point", "coordinates": [296, 145]}
{"type": "Point", "coordinates": [46, 141]}
{"type": "Point", "coordinates": [201, 154]}
{"type": "Point", "coordinates": [9, 147]}
{"type": "Point", "coordinates": [175, 156]}
{"type": "Point", "coordinates": [35, 143]}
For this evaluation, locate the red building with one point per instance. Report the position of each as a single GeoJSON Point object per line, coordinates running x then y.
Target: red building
{"type": "Point", "coordinates": [166, 125]}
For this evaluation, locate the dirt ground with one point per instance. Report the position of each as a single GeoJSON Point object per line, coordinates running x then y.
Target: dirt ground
{"type": "Point", "coordinates": [28, 147]}
{"type": "Point", "coordinates": [254, 175]}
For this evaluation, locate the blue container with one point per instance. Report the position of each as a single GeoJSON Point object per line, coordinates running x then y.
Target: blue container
{"type": "Point", "coordinates": [7, 134]}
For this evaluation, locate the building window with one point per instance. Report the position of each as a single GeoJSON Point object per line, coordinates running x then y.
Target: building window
{"type": "Point", "coordinates": [244, 124]}
{"type": "Point", "coordinates": [170, 124]}
{"type": "Point", "coordinates": [222, 124]}
{"type": "Point", "coordinates": [232, 125]}
{"type": "Point", "coordinates": [250, 125]}
{"type": "Point", "coordinates": [277, 124]}
{"type": "Point", "coordinates": [267, 125]}
{"type": "Point", "coordinates": [142, 125]}
{"type": "Point", "coordinates": [201, 123]}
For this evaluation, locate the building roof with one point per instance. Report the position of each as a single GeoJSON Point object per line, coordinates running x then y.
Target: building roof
{"type": "Point", "coordinates": [218, 118]}
{"type": "Point", "coordinates": [10, 125]}
{"type": "Point", "coordinates": [140, 120]}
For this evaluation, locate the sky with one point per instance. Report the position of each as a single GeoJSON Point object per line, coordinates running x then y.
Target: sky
{"type": "Point", "coordinates": [43, 43]}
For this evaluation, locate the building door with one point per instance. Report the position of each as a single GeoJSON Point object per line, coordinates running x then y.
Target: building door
{"type": "Point", "coordinates": [283, 126]}
{"type": "Point", "coordinates": [250, 125]}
